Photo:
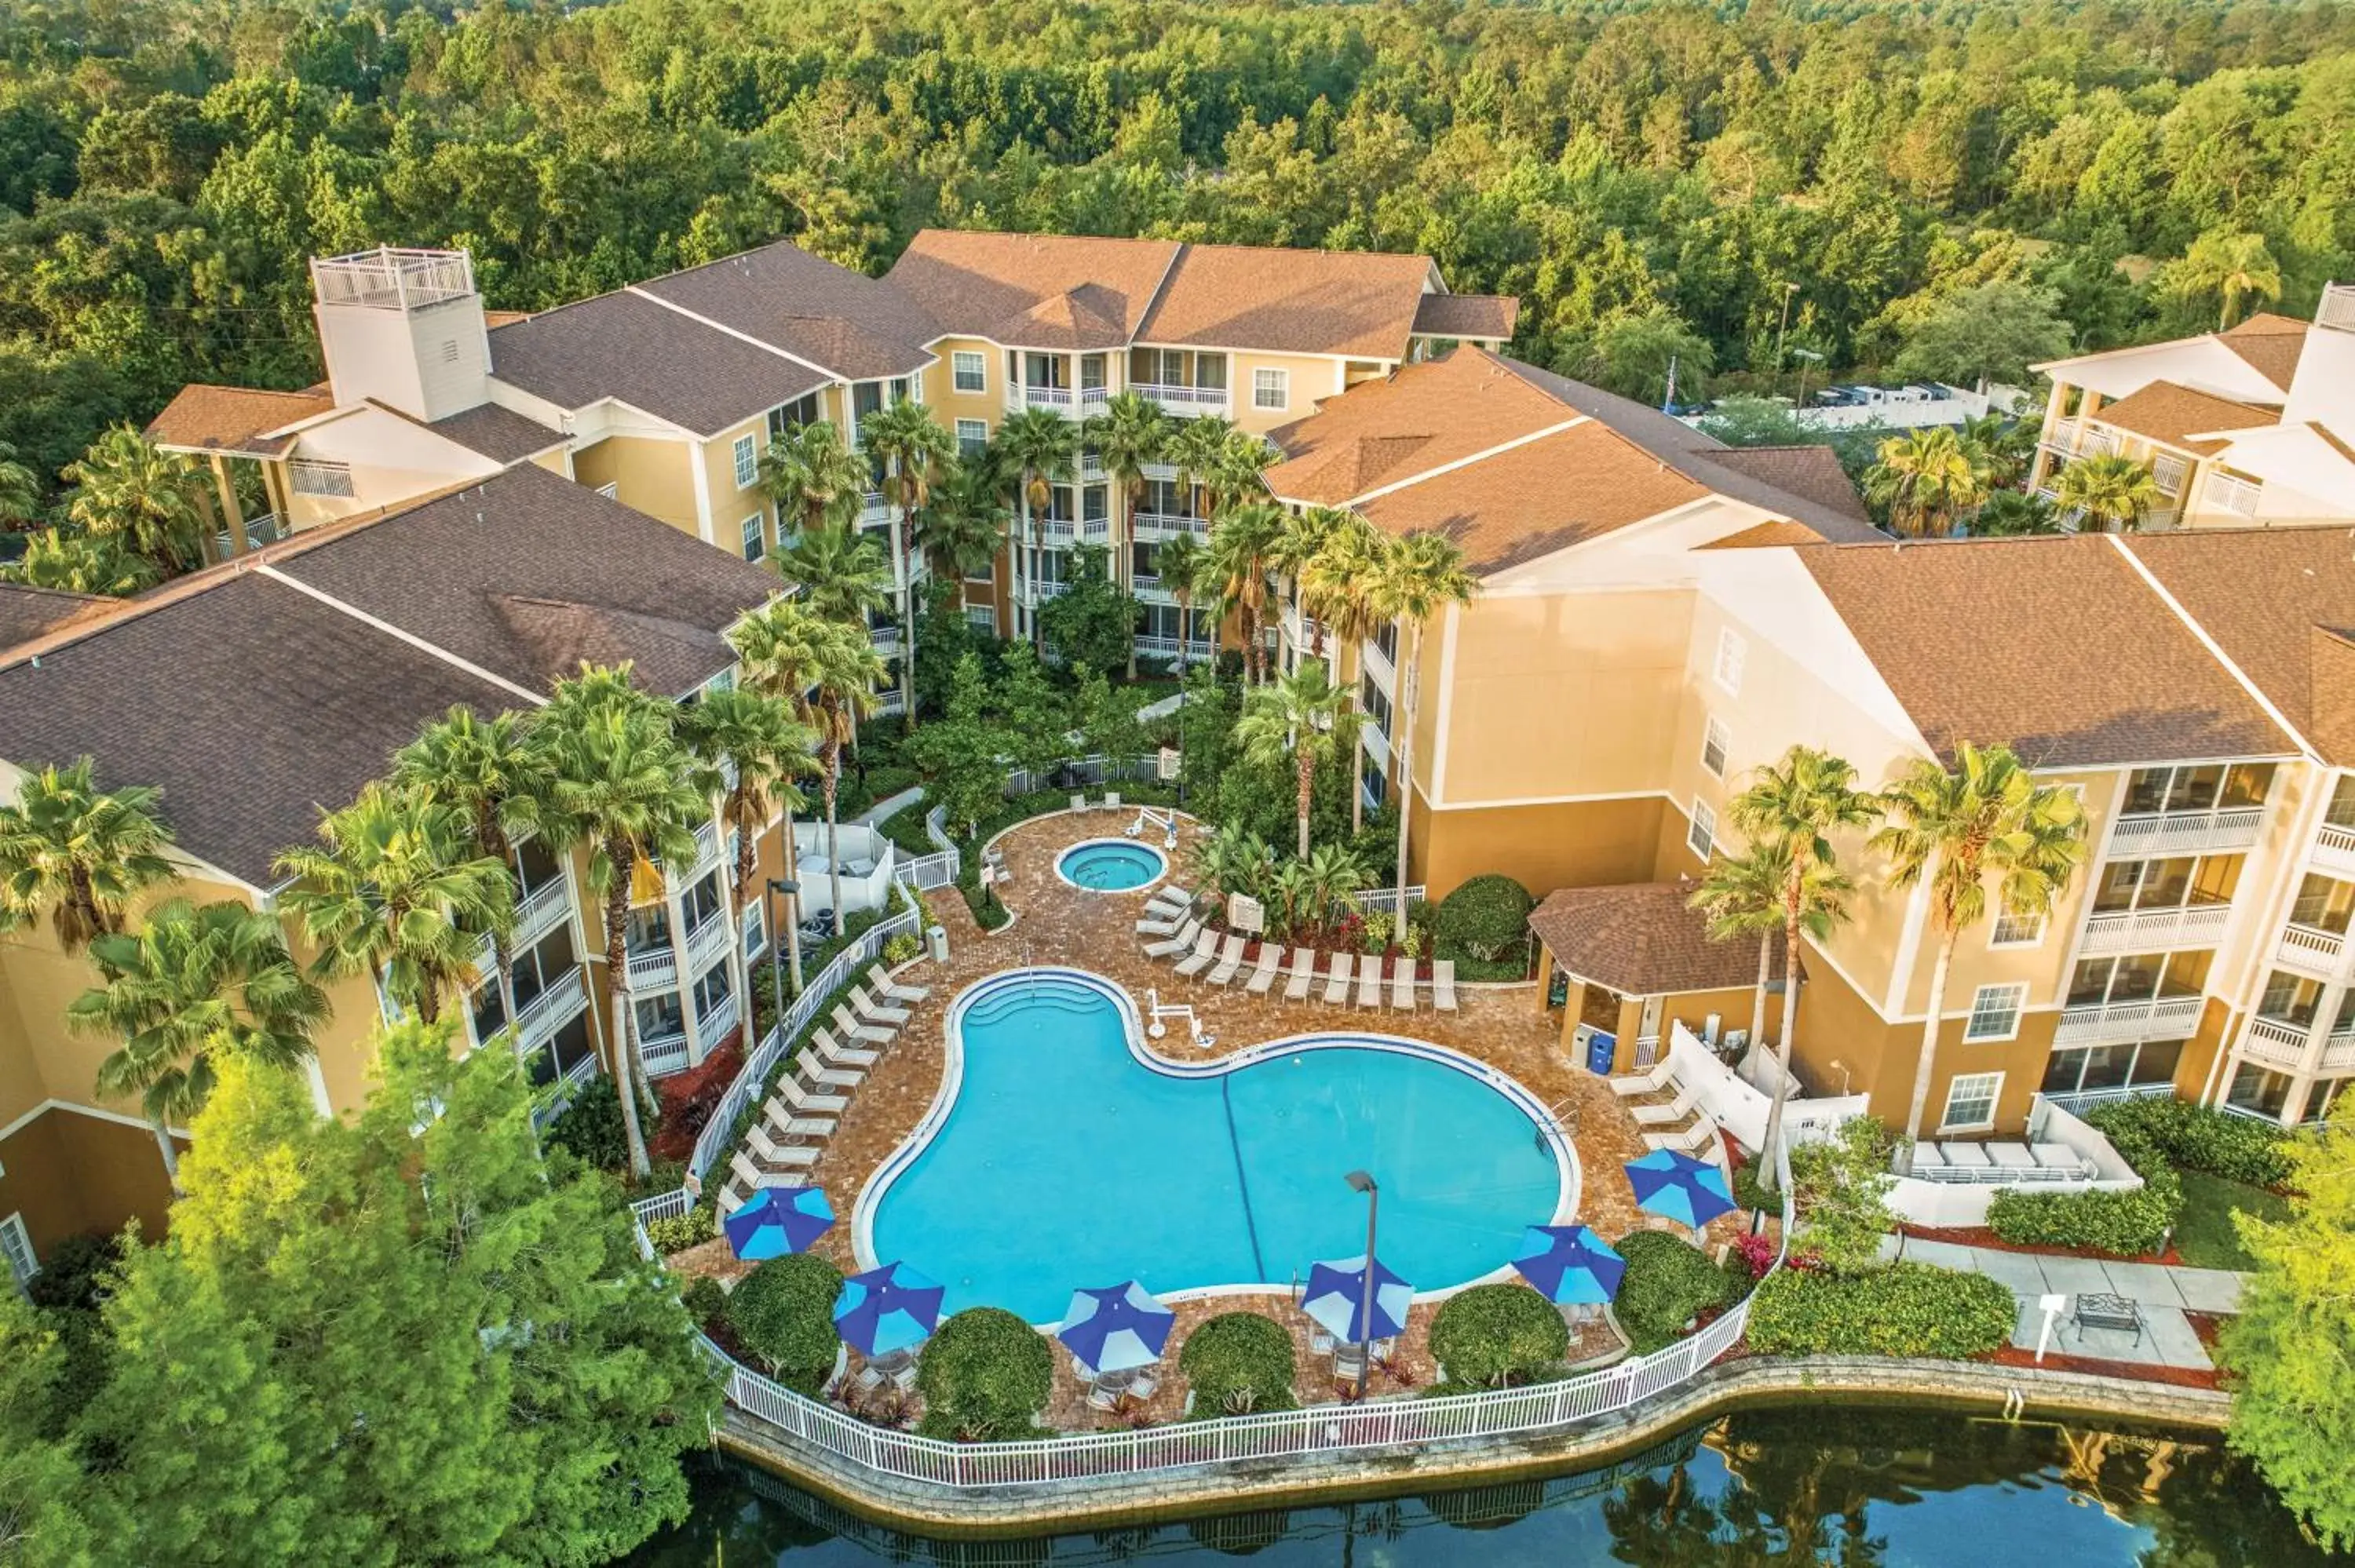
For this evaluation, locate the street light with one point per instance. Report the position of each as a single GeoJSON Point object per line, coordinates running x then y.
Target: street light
{"type": "Point", "coordinates": [1781, 327]}
{"type": "Point", "coordinates": [1359, 1181]}
{"type": "Point", "coordinates": [787, 887]}
{"type": "Point", "coordinates": [1806, 356]}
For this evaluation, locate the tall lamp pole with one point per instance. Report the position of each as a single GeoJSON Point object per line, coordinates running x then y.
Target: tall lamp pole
{"type": "Point", "coordinates": [1782, 327]}
{"type": "Point", "coordinates": [784, 888]}
{"type": "Point", "coordinates": [1359, 1181]}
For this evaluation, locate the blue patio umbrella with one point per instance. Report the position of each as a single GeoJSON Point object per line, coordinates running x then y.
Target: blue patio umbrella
{"type": "Point", "coordinates": [1569, 1265]}
{"type": "Point", "coordinates": [778, 1220]}
{"type": "Point", "coordinates": [1116, 1329]}
{"type": "Point", "coordinates": [1684, 1189]}
{"type": "Point", "coordinates": [887, 1309]}
{"type": "Point", "coordinates": [1336, 1298]}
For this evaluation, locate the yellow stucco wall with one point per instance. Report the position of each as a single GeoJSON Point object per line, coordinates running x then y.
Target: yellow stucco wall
{"type": "Point", "coordinates": [652, 476]}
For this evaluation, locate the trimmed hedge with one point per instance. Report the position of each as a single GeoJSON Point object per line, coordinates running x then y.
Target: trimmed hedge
{"type": "Point", "coordinates": [1239, 1362]}
{"type": "Point", "coordinates": [2127, 1222]}
{"type": "Point", "coordinates": [679, 1231]}
{"type": "Point", "coordinates": [2195, 1138]}
{"type": "Point", "coordinates": [1670, 1282]}
{"type": "Point", "coordinates": [783, 1312]}
{"type": "Point", "coordinates": [1902, 1309]}
{"type": "Point", "coordinates": [1498, 1335]}
{"type": "Point", "coordinates": [1483, 918]}
{"type": "Point", "coordinates": [985, 1376]}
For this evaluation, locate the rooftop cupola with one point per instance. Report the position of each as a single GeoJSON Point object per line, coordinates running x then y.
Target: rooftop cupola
{"type": "Point", "coordinates": [404, 327]}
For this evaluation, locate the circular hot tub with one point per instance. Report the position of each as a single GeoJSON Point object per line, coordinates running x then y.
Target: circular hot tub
{"type": "Point", "coordinates": [1112, 865]}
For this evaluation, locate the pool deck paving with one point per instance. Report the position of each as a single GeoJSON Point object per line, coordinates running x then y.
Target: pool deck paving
{"type": "Point", "coordinates": [1057, 924]}
{"type": "Point", "coordinates": [2163, 1294]}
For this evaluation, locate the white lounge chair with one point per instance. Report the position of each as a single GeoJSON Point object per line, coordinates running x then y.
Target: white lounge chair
{"type": "Point", "coordinates": [817, 1074]}
{"type": "Point", "coordinates": [1660, 1116]}
{"type": "Point", "coordinates": [1111, 799]}
{"type": "Point", "coordinates": [835, 1053]}
{"type": "Point", "coordinates": [750, 1178]}
{"type": "Point", "coordinates": [780, 1119]}
{"type": "Point", "coordinates": [1264, 977]}
{"type": "Point", "coordinates": [1684, 1140]}
{"type": "Point", "coordinates": [1170, 901]}
{"type": "Point", "coordinates": [1442, 984]}
{"type": "Point", "coordinates": [1402, 986]}
{"type": "Point", "coordinates": [1079, 802]}
{"type": "Point", "coordinates": [1205, 947]}
{"type": "Point", "coordinates": [1154, 924]}
{"type": "Point", "coordinates": [802, 1102]}
{"type": "Point", "coordinates": [1642, 1083]}
{"type": "Point", "coordinates": [791, 1156]}
{"type": "Point", "coordinates": [876, 1011]}
{"type": "Point", "coordinates": [1336, 984]}
{"type": "Point", "coordinates": [1230, 959]}
{"type": "Point", "coordinates": [873, 1033]}
{"type": "Point", "coordinates": [1370, 983]}
{"type": "Point", "coordinates": [1175, 944]}
{"type": "Point", "coordinates": [891, 990]}
{"type": "Point", "coordinates": [1304, 974]}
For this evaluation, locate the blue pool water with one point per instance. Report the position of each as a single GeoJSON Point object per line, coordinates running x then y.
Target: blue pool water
{"type": "Point", "coordinates": [1067, 1162]}
{"type": "Point", "coordinates": [1112, 865]}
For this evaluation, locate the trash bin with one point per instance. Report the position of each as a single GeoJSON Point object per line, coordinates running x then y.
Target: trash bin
{"type": "Point", "coordinates": [937, 940]}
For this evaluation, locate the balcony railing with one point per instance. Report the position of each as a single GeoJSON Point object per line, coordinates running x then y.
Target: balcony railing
{"type": "Point", "coordinates": [552, 1008]}
{"type": "Point", "coordinates": [1095, 530]}
{"type": "Point", "coordinates": [2139, 930]}
{"type": "Point", "coordinates": [1037, 592]}
{"type": "Point", "coordinates": [2221, 830]}
{"type": "Point", "coordinates": [715, 1025]}
{"type": "Point", "coordinates": [540, 911]}
{"type": "Point", "coordinates": [2334, 848]}
{"type": "Point", "coordinates": [886, 639]}
{"type": "Point", "coordinates": [2338, 307]}
{"type": "Point", "coordinates": [1185, 399]}
{"type": "Point", "coordinates": [2311, 947]}
{"type": "Point", "coordinates": [1045, 397]}
{"type": "Point", "coordinates": [1092, 398]}
{"type": "Point", "coordinates": [2077, 1102]}
{"type": "Point", "coordinates": [1166, 648]}
{"type": "Point", "coordinates": [387, 278]}
{"type": "Point", "coordinates": [2338, 1052]}
{"type": "Point", "coordinates": [1162, 525]}
{"type": "Point", "coordinates": [266, 529]}
{"type": "Point", "coordinates": [708, 941]}
{"type": "Point", "coordinates": [889, 702]}
{"type": "Point", "coordinates": [2278, 1042]}
{"type": "Point", "coordinates": [653, 968]}
{"type": "Point", "coordinates": [2063, 436]}
{"type": "Point", "coordinates": [2165, 1018]}
{"type": "Point", "coordinates": [1057, 531]}
{"type": "Point", "coordinates": [662, 1054]}
{"type": "Point", "coordinates": [874, 512]}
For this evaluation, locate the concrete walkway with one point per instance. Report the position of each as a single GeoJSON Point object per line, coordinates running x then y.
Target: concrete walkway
{"type": "Point", "coordinates": [887, 807]}
{"type": "Point", "coordinates": [2163, 1293]}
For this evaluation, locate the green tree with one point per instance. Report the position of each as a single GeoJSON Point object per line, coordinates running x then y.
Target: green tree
{"type": "Point", "coordinates": [960, 754]}
{"type": "Point", "coordinates": [2008, 514]}
{"type": "Point", "coordinates": [1037, 449]}
{"type": "Point", "coordinates": [814, 479]}
{"type": "Point", "coordinates": [20, 492]}
{"type": "Point", "coordinates": [2294, 1391]}
{"type": "Point", "coordinates": [1741, 896]}
{"type": "Point", "coordinates": [1336, 586]}
{"type": "Point", "coordinates": [42, 1486]}
{"type": "Point", "coordinates": [753, 741]}
{"type": "Point", "coordinates": [144, 498]}
{"type": "Point", "coordinates": [81, 563]}
{"type": "Point", "coordinates": [2225, 265]}
{"type": "Point", "coordinates": [910, 447]}
{"type": "Point", "coordinates": [1419, 575]}
{"type": "Point", "coordinates": [1093, 620]}
{"type": "Point", "coordinates": [1925, 479]}
{"type": "Point", "coordinates": [1242, 544]}
{"type": "Point", "coordinates": [962, 524]}
{"type": "Point", "coordinates": [776, 654]}
{"type": "Point", "coordinates": [192, 988]}
{"type": "Point", "coordinates": [1177, 562]}
{"type": "Point", "coordinates": [1840, 1191]}
{"type": "Point", "coordinates": [1992, 331]}
{"type": "Point", "coordinates": [1106, 719]}
{"type": "Point", "coordinates": [1299, 717]}
{"type": "Point", "coordinates": [1952, 830]}
{"type": "Point", "coordinates": [1132, 432]}
{"type": "Point", "coordinates": [1035, 718]}
{"type": "Point", "coordinates": [1745, 420]}
{"type": "Point", "coordinates": [842, 574]}
{"type": "Point", "coordinates": [845, 669]}
{"type": "Point", "coordinates": [2000, 448]}
{"type": "Point", "coordinates": [545, 1387]}
{"type": "Point", "coordinates": [77, 854]}
{"type": "Point", "coordinates": [2111, 491]}
{"type": "Point", "coordinates": [1631, 355]}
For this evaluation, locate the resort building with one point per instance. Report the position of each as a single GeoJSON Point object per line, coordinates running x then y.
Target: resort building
{"type": "Point", "coordinates": [2252, 425]}
{"type": "Point", "coordinates": [257, 694]}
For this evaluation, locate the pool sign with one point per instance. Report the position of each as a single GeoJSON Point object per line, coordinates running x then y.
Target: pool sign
{"type": "Point", "coordinates": [1244, 913]}
{"type": "Point", "coordinates": [1169, 757]}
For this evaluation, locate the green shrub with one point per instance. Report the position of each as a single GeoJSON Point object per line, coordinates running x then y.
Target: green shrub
{"type": "Point", "coordinates": [2196, 1138]}
{"type": "Point", "coordinates": [985, 1376]}
{"type": "Point", "coordinates": [1485, 918]}
{"type": "Point", "coordinates": [2126, 1223]}
{"type": "Point", "coordinates": [899, 949]}
{"type": "Point", "coordinates": [1902, 1309]}
{"type": "Point", "coordinates": [72, 1275]}
{"type": "Point", "coordinates": [1669, 1283]}
{"type": "Point", "coordinates": [680, 1232]}
{"type": "Point", "coordinates": [783, 1314]}
{"type": "Point", "coordinates": [1498, 1335]}
{"type": "Point", "coordinates": [1751, 1193]}
{"type": "Point", "coordinates": [705, 1301]}
{"type": "Point", "coordinates": [590, 1129]}
{"type": "Point", "coordinates": [1238, 1362]}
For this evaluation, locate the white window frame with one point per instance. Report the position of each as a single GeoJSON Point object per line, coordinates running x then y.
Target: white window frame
{"type": "Point", "coordinates": [1266, 380]}
{"type": "Point", "coordinates": [2018, 930]}
{"type": "Point", "coordinates": [971, 360]}
{"type": "Point", "coordinates": [1974, 1034]}
{"type": "Point", "coordinates": [1732, 654]}
{"type": "Point", "coordinates": [1715, 736]}
{"type": "Point", "coordinates": [1700, 834]}
{"type": "Point", "coordinates": [2231, 493]}
{"type": "Point", "coordinates": [754, 533]}
{"type": "Point", "coordinates": [975, 429]}
{"type": "Point", "coordinates": [746, 453]}
{"type": "Point", "coordinates": [756, 931]}
{"type": "Point", "coordinates": [2166, 471]}
{"type": "Point", "coordinates": [309, 476]}
{"type": "Point", "coordinates": [17, 1247]}
{"type": "Point", "coordinates": [1993, 1095]}
{"type": "Point", "coordinates": [982, 618]}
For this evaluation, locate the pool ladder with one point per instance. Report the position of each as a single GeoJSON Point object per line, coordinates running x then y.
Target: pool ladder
{"type": "Point", "coordinates": [1563, 1114]}
{"type": "Point", "coordinates": [1159, 1011]}
{"type": "Point", "coordinates": [1167, 824]}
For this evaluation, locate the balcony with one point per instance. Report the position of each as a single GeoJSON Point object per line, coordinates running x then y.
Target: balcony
{"type": "Point", "coordinates": [707, 941]}
{"type": "Point", "coordinates": [1185, 400]}
{"type": "Point", "coordinates": [874, 512]}
{"type": "Point", "coordinates": [1054, 531]}
{"type": "Point", "coordinates": [2063, 437]}
{"type": "Point", "coordinates": [1094, 400]}
{"type": "Point", "coordinates": [2165, 1018]}
{"type": "Point", "coordinates": [886, 639]}
{"type": "Point", "coordinates": [714, 1026]}
{"type": "Point", "coordinates": [266, 529]}
{"type": "Point", "coordinates": [1095, 530]}
{"type": "Point", "coordinates": [889, 702]}
{"type": "Point", "coordinates": [551, 1010]}
{"type": "Point", "coordinates": [2338, 1052]}
{"type": "Point", "coordinates": [653, 969]}
{"type": "Point", "coordinates": [2338, 307]}
{"type": "Point", "coordinates": [2276, 1042]}
{"type": "Point", "coordinates": [1157, 525]}
{"type": "Point", "coordinates": [535, 914]}
{"type": "Point", "coordinates": [2310, 950]}
{"type": "Point", "coordinates": [1056, 398]}
{"type": "Point", "coordinates": [390, 279]}
{"type": "Point", "coordinates": [2221, 830]}
{"type": "Point", "coordinates": [2144, 930]}
{"type": "Point", "coordinates": [1036, 592]}
{"type": "Point", "coordinates": [2334, 849]}
{"type": "Point", "coordinates": [1092, 469]}
{"type": "Point", "coordinates": [662, 1054]}
{"type": "Point", "coordinates": [1149, 647]}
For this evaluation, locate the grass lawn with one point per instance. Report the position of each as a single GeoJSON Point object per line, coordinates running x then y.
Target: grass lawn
{"type": "Point", "coordinates": [2205, 1237]}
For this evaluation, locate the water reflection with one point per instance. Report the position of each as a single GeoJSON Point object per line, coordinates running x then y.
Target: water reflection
{"type": "Point", "coordinates": [1839, 1488]}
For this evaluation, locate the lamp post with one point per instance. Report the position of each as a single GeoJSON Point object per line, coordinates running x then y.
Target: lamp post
{"type": "Point", "coordinates": [1781, 327]}
{"type": "Point", "coordinates": [1359, 1181]}
{"type": "Point", "coordinates": [785, 888]}
{"type": "Point", "coordinates": [1806, 356]}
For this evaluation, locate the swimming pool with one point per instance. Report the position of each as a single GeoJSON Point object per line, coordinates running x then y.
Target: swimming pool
{"type": "Point", "coordinates": [1111, 865]}
{"type": "Point", "coordinates": [1065, 1158]}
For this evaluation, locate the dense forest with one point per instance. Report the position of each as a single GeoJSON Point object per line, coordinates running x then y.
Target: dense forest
{"type": "Point", "coordinates": [1649, 178]}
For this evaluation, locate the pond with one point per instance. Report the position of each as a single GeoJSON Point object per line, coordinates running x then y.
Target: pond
{"type": "Point", "coordinates": [1860, 1488]}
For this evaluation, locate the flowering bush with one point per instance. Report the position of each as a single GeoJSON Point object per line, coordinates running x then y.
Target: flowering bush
{"type": "Point", "coordinates": [1757, 1254]}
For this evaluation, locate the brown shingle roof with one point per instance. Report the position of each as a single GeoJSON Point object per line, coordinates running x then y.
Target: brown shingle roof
{"type": "Point", "coordinates": [2054, 645]}
{"type": "Point", "coordinates": [1812, 472]}
{"type": "Point", "coordinates": [2271, 345]}
{"type": "Point", "coordinates": [233, 419]}
{"type": "Point", "coordinates": [2170, 415]}
{"type": "Point", "coordinates": [1418, 418]}
{"type": "Point", "coordinates": [1466, 315]}
{"type": "Point", "coordinates": [499, 434]}
{"type": "Point", "coordinates": [649, 357]}
{"type": "Point", "coordinates": [781, 294]}
{"type": "Point", "coordinates": [28, 612]}
{"type": "Point", "coordinates": [987, 284]}
{"type": "Point", "coordinates": [1356, 303]}
{"type": "Point", "coordinates": [1766, 535]}
{"type": "Point", "coordinates": [1640, 939]}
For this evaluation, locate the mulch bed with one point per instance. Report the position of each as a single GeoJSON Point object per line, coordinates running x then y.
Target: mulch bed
{"type": "Point", "coordinates": [1980, 1236]}
{"type": "Point", "coordinates": [687, 1099]}
{"type": "Point", "coordinates": [2138, 1371]}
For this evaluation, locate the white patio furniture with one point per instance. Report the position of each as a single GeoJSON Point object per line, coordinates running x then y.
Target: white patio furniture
{"type": "Point", "coordinates": [1642, 1083]}
{"type": "Point", "coordinates": [1264, 975]}
{"type": "Point", "coordinates": [802, 1102]}
{"type": "Point", "coordinates": [1442, 984]}
{"type": "Point", "coordinates": [1176, 945]}
{"type": "Point", "coordinates": [1337, 982]}
{"type": "Point", "coordinates": [1370, 983]}
{"type": "Point", "coordinates": [1402, 986]}
{"type": "Point", "coordinates": [1230, 959]}
{"type": "Point", "coordinates": [1701, 1134]}
{"type": "Point", "coordinates": [771, 1152]}
{"type": "Point", "coordinates": [1304, 974]}
{"type": "Point", "coordinates": [780, 1119]}
{"type": "Point", "coordinates": [1159, 924]}
{"type": "Point", "coordinates": [892, 990]}
{"type": "Point", "coordinates": [1205, 947]}
{"type": "Point", "coordinates": [876, 1011]}
{"type": "Point", "coordinates": [851, 1029]}
{"type": "Point", "coordinates": [817, 1074]}
{"type": "Point", "coordinates": [1660, 1116]}
{"type": "Point", "coordinates": [835, 1053]}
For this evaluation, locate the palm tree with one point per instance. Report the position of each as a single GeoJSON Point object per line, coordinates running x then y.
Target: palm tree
{"type": "Point", "coordinates": [1242, 543]}
{"type": "Point", "coordinates": [1037, 447]}
{"type": "Point", "coordinates": [1335, 586]}
{"type": "Point", "coordinates": [1197, 449]}
{"type": "Point", "coordinates": [813, 477]}
{"type": "Point", "coordinates": [2113, 490]}
{"type": "Point", "coordinates": [1925, 479]}
{"type": "Point", "coordinates": [846, 669]}
{"type": "Point", "coordinates": [1304, 536]}
{"type": "Point", "coordinates": [1799, 803]}
{"type": "Point", "coordinates": [1132, 432]}
{"type": "Point", "coordinates": [1303, 714]}
{"type": "Point", "coordinates": [2230, 264]}
{"type": "Point", "coordinates": [2008, 514]}
{"type": "Point", "coordinates": [1334, 874]}
{"type": "Point", "coordinates": [2000, 448]}
{"type": "Point", "coordinates": [1237, 476]}
{"type": "Point", "coordinates": [193, 986]}
{"type": "Point", "coordinates": [753, 739]}
{"type": "Point", "coordinates": [144, 498]}
{"type": "Point", "coordinates": [81, 563]}
{"type": "Point", "coordinates": [910, 448]}
{"type": "Point", "coordinates": [776, 655]}
{"type": "Point", "coordinates": [961, 525]}
{"type": "Point", "coordinates": [78, 852]}
{"type": "Point", "coordinates": [1178, 564]}
{"type": "Point", "coordinates": [1954, 831]}
{"type": "Point", "coordinates": [621, 783]}
{"type": "Point", "coordinates": [398, 892]}
{"type": "Point", "coordinates": [20, 492]}
{"type": "Point", "coordinates": [489, 770]}
{"type": "Point", "coordinates": [1419, 575]}
{"type": "Point", "coordinates": [1741, 896]}
{"type": "Point", "coordinates": [843, 574]}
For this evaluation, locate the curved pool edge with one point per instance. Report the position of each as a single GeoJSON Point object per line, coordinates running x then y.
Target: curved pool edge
{"type": "Point", "coordinates": [1570, 1171]}
{"type": "Point", "coordinates": [1160, 859]}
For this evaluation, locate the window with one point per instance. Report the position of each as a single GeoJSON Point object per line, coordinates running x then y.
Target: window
{"type": "Point", "coordinates": [802, 410]}
{"type": "Point", "coordinates": [1995, 1012]}
{"type": "Point", "coordinates": [659, 1017]}
{"type": "Point", "coordinates": [973, 436]}
{"type": "Point", "coordinates": [1715, 738]}
{"type": "Point", "coordinates": [702, 902]}
{"type": "Point", "coordinates": [1270, 388]}
{"type": "Point", "coordinates": [755, 931]}
{"type": "Point", "coordinates": [755, 547]}
{"type": "Point", "coordinates": [2096, 1069]}
{"type": "Point", "coordinates": [1970, 1100]}
{"type": "Point", "coordinates": [982, 618]}
{"type": "Point", "coordinates": [305, 477]}
{"type": "Point", "coordinates": [1092, 372]}
{"type": "Point", "coordinates": [1732, 651]}
{"type": "Point", "coordinates": [2017, 930]}
{"type": "Point", "coordinates": [971, 373]}
{"type": "Point", "coordinates": [2167, 473]}
{"type": "Point", "coordinates": [1376, 706]}
{"type": "Point", "coordinates": [748, 461]}
{"type": "Point", "coordinates": [1701, 837]}
{"type": "Point", "coordinates": [1386, 638]}
{"type": "Point", "coordinates": [16, 1247]}
{"type": "Point", "coordinates": [2205, 786]}
{"type": "Point", "coordinates": [711, 991]}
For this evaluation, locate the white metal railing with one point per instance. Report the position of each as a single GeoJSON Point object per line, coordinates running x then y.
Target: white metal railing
{"type": "Point", "coordinates": [714, 1026]}
{"type": "Point", "coordinates": [874, 511]}
{"type": "Point", "coordinates": [1094, 396]}
{"type": "Point", "coordinates": [538, 914]}
{"type": "Point", "coordinates": [387, 278]}
{"type": "Point", "coordinates": [654, 966]}
{"type": "Point", "coordinates": [1057, 531]}
{"type": "Point", "coordinates": [2333, 846]}
{"type": "Point", "coordinates": [2279, 1041]}
{"type": "Point", "coordinates": [1197, 649]}
{"type": "Point", "coordinates": [2063, 436]}
{"type": "Point", "coordinates": [1047, 397]}
{"type": "Point", "coordinates": [1156, 526]}
{"type": "Point", "coordinates": [1095, 530]}
{"type": "Point", "coordinates": [2338, 1052]}
{"type": "Point", "coordinates": [2310, 946]}
{"type": "Point", "coordinates": [2153, 833]}
{"type": "Point", "coordinates": [663, 1056]}
{"type": "Point", "coordinates": [1091, 468]}
{"type": "Point", "coordinates": [552, 1008]}
{"type": "Point", "coordinates": [2122, 1021]}
{"type": "Point", "coordinates": [886, 639]}
{"type": "Point", "coordinates": [1385, 899]}
{"type": "Point", "coordinates": [266, 529]}
{"type": "Point", "coordinates": [2132, 930]}
{"type": "Point", "coordinates": [1182, 400]}
{"type": "Point", "coordinates": [709, 938]}
{"type": "Point", "coordinates": [1036, 591]}
{"type": "Point", "coordinates": [924, 873]}
{"type": "Point", "coordinates": [2230, 492]}
{"type": "Point", "coordinates": [890, 703]}
{"type": "Point", "coordinates": [2079, 1101]}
